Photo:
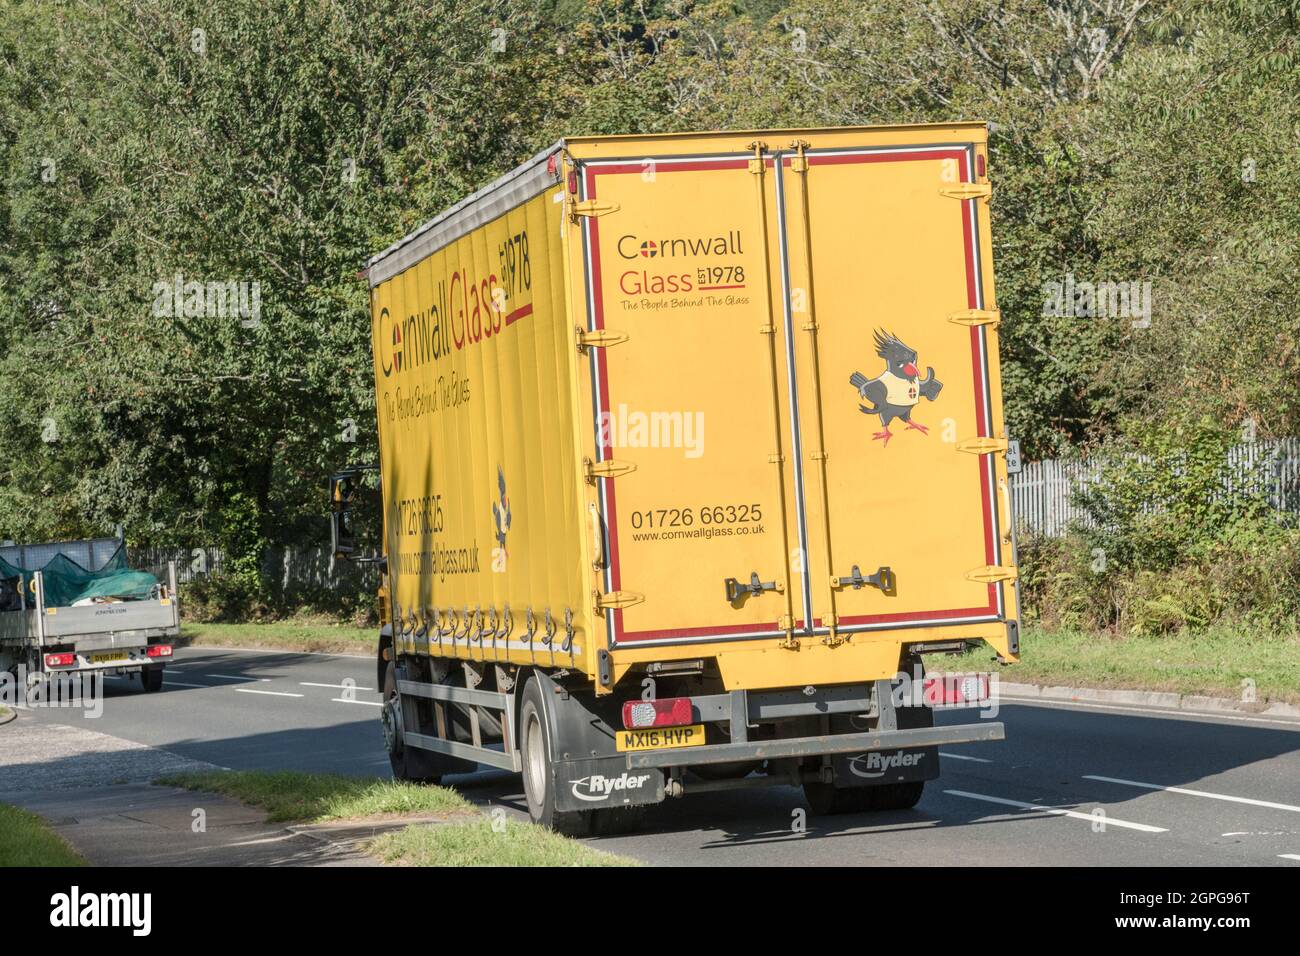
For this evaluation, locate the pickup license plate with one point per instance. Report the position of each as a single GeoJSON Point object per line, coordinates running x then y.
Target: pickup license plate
{"type": "Point", "coordinates": [108, 657]}
{"type": "Point", "coordinates": [660, 738]}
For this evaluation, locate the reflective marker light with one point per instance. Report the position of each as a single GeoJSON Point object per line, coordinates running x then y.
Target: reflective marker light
{"type": "Point", "coordinates": [160, 650]}
{"type": "Point", "coordinates": [66, 659]}
{"type": "Point", "coordinates": [669, 712]}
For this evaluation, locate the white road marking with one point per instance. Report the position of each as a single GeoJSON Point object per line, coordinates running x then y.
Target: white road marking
{"type": "Point", "coordinates": [368, 703]}
{"type": "Point", "coordinates": [175, 683]}
{"type": "Point", "coordinates": [274, 839]}
{"type": "Point", "coordinates": [269, 693]}
{"type": "Point", "coordinates": [964, 757]}
{"type": "Point", "coordinates": [307, 683]}
{"type": "Point", "coordinates": [1054, 702]}
{"type": "Point", "coordinates": [1195, 793]}
{"type": "Point", "coordinates": [1289, 856]}
{"type": "Point", "coordinates": [1058, 811]}
{"type": "Point", "coordinates": [263, 680]}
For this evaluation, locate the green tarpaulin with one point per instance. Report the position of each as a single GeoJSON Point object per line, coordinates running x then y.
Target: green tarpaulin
{"type": "Point", "coordinates": [67, 582]}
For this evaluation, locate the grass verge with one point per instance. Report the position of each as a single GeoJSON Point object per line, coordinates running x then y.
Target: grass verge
{"type": "Point", "coordinates": [283, 636]}
{"type": "Point", "coordinates": [480, 844]}
{"type": "Point", "coordinates": [291, 797]}
{"type": "Point", "coordinates": [1218, 662]}
{"type": "Point", "coordinates": [26, 840]}
{"type": "Point", "coordinates": [466, 839]}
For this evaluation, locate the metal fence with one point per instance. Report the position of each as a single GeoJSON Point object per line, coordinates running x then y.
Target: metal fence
{"type": "Point", "coordinates": [288, 570]}
{"type": "Point", "coordinates": [1043, 493]}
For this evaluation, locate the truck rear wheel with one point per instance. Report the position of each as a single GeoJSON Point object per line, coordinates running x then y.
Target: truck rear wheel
{"type": "Point", "coordinates": [151, 678]}
{"type": "Point", "coordinates": [539, 780]}
{"type": "Point", "coordinates": [826, 799]}
{"type": "Point", "coordinates": [898, 796]}
{"type": "Point", "coordinates": [409, 764]}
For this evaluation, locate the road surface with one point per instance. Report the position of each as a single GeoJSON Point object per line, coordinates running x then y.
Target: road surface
{"type": "Point", "coordinates": [1079, 784]}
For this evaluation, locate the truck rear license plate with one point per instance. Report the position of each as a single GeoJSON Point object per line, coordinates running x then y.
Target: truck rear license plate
{"type": "Point", "coordinates": [658, 738]}
{"type": "Point", "coordinates": [108, 657]}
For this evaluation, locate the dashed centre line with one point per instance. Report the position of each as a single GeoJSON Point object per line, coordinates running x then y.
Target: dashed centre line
{"type": "Point", "coordinates": [307, 683]}
{"type": "Point", "coordinates": [263, 680]}
{"type": "Point", "coordinates": [269, 693]}
{"type": "Point", "coordinates": [1058, 811]}
{"type": "Point", "coordinates": [1194, 793]}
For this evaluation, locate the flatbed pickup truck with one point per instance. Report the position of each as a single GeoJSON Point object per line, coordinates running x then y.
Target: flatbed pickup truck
{"type": "Point", "coordinates": [73, 607]}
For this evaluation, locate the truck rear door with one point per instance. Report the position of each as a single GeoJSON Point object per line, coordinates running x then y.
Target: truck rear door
{"type": "Point", "coordinates": [897, 370]}
{"type": "Point", "coordinates": [678, 265]}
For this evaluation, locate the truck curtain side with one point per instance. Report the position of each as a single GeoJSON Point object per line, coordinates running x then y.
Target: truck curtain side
{"type": "Point", "coordinates": [690, 444]}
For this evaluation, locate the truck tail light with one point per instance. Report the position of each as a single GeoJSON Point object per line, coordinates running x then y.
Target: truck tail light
{"type": "Point", "coordinates": [952, 689]}
{"type": "Point", "coordinates": [67, 659]}
{"type": "Point", "coordinates": [669, 712]}
{"type": "Point", "coordinates": [160, 650]}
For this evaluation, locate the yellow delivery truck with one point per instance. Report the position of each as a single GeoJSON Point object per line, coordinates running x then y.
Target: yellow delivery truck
{"type": "Point", "coordinates": [691, 446]}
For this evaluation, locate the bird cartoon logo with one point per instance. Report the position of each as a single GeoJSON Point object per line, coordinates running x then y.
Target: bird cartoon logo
{"type": "Point", "coordinates": [501, 510]}
{"type": "Point", "coordinates": [897, 390]}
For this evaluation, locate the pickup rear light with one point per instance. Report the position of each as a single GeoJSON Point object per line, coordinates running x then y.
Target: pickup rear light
{"type": "Point", "coordinates": [951, 689]}
{"type": "Point", "coordinates": [669, 712]}
{"type": "Point", "coordinates": [160, 650]}
{"type": "Point", "coordinates": [66, 659]}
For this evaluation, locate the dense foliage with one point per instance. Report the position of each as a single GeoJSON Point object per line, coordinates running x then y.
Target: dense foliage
{"type": "Point", "coordinates": [145, 144]}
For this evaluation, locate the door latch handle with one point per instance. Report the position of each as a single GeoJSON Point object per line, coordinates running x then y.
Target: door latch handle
{"type": "Point", "coordinates": [883, 578]}
{"type": "Point", "coordinates": [737, 589]}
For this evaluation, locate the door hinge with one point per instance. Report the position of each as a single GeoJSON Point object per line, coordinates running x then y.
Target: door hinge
{"type": "Point", "coordinates": [983, 445]}
{"type": "Point", "coordinates": [609, 468]}
{"type": "Point", "coordinates": [992, 574]}
{"type": "Point", "coordinates": [616, 600]}
{"type": "Point", "coordinates": [600, 339]}
{"type": "Point", "coordinates": [756, 161]}
{"type": "Point", "coordinates": [974, 317]}
{"type": "Point", "coordinates": [967, 191]}
{"type": "Point", "coordinates": [591, 207]}
{"type": "Point", "coordinates": [799, 162]}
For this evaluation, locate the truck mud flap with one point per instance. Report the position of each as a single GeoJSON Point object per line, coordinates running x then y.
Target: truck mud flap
{"type": "Point", "coordinates": [605, 782]}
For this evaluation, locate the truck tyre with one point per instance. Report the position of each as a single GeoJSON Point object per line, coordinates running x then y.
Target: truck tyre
{"type": "Point", "coordinates": [898, 796]}
{"type": "Point", "coordinates": [151, 678]}
{"type": "Point", "coordinates": [409, 764]}
{"type": "Point", "coordinates": [618, 821]}
{"type": "Point", "coordinates": [826, 799]}
{"type": "Point", "coordinates": [539, 777]}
